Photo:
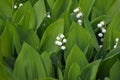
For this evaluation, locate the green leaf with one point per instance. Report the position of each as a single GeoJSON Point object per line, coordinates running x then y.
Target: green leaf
{"type": "Point", "coordinates": [67, 21]}
{"type": "Point", "coordinates": [114, 71]}
{"type": "Point", "coordinates": [113, 52]}
{"type": "Point", "coordinates": [60, 75]}
{"type": "Point", "coordinates": [77, 35]}
{"type": "Point", "coordinates": [28, 65]}
{"type": "Point", "coordinates": [107, 63]}
{"type": "Point", "coordinates": [1, 26]}
{"type": "Point", "coordinates": [90, 71]}
{"type": "Point", "coordinates": [47, 63]}
{"type": "Point", "coordinates": [86, 6]}
{"type": "Point", "coordinates": [6, 40]}
{"type": "Point", "coordinates": [5, 73]}
{"type": "Point", "coordinates": [50, 3]}
{"type": "Point", "coordinates": [91, 31]}
{"type": "Point", "coordinates": [6, 7]}
{"type": "Point", "coordinates": [27, 35]}
{"type": "Point", "coordinates": [49, 78]}
{"type": "Point", "coordinates": [40, 12]}
{"type": "Point", "coordinates": [102, 7]}
{"type": "Point", "coordinates": [74, 72]}
{"type": "Point", "coordinates": [75, 56]}
{"type": "Point", "coordinates": [25, 16]}
{"type": "Point", "coordinates": [49, 36]}
{"type": "Point", "coordinates": [114, 7]}
{"type": "Point", "coordinates": [108, 37]}
{"type": "Point", "coordinates": [57, 8]}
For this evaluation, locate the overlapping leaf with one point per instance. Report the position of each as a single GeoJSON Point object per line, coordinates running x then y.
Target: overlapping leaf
{"type": "Point", "coordinates": [78, 35]}
{"type": "Point", "coordinates": [24, 34]}
{"type": "Point", "coordinates": [75, 56]}
{"type": "Point", "coordinates": [49, 36]}
{"type": "Point", "coordinates": [25, 16]}
{"type": "Point", "coordinates": [6, 40]}
{"type": "Point", "coordinates": [28, 65]}
{"type": "Point", "coordinates": [40, 12]}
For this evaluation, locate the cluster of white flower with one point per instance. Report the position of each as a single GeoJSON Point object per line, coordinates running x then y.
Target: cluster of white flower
{"type": "Point", "coordinates": [15, 6]}
{"type": "Point", "coordinates": [60, 41]}
{"type": "Point", "coordinates": [79, 15]}
{"type": "Point", "coordinates": [103, 31]}
{"type": "Point", "coordinates": [116, 44]}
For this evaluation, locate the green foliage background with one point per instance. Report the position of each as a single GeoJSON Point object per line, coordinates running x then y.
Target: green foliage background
{"type": "Point", "coordinates": [27, 40]}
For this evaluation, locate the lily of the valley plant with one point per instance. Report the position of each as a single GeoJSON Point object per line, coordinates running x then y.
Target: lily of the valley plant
{"type": "Point", "coordinates": [59, 40]}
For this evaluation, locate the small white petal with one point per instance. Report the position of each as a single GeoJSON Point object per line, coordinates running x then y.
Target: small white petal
{"type": "Point", "coordinates": [99, 25]}
{"type": "Point", "coordinates": [79, 21]}
{"type": "Point", "coordinates": [103, 30]}
{"type": "Point", "coordinates": [103, 23]}
{"type": "Point", "coordinates": [56, 42]}
{"type": "Point", "coordinates": [79, 15]}
{"type": "Point", "coordinates": [100, 35]}
{"type": "Point", "coordinates": [76, 10]}
{"type": "Point", "coordinates": [15, 6]}
{"type": "Point", "coordinates": [62, 36]}
{"type": "Point", "coordinates": [48, 16]}
{"type": "Point", "coordinates": [115, 46]}
{"type": "Point", "coordinates": [64, 40]}
{"type": "Point", "coordinates": [101, 46]}
{"type": "Point", "coordinates": [57, 38]}
{"type": "Point", "coordinates": [20, 4]}
{"type": "Point", "coordinates": [59, 43]}
{"type": "Point", "coordinates": [117, 39]}
{"type": "Point", "coordinates": [63, 47]}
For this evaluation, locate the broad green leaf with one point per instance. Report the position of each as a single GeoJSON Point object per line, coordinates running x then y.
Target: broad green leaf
{"type": "Point", "coordinates": [27, 35]}
{"type": "Point", "coordinates": [114, 7]}
{"type": "Point", "coordinates": [57, 8]}
{"type": "Point", "coordinates": [115, 71]}
{"type": "Point", "coordinates": [49, 36]}
{"type": "Point", "coordinates": [90, 71]}
{"type": "Point", "coordinates": [49, 78]}
{"type": "Point", "coordinates": [6, 40]}
{"type": "Point", "coordinates": [108, 37]}
{"type": "Point", "coordinates": [104, 6]}
{"type": "Point", "coordinates": [60, 75]}
{"type": "Point", "coordinates": [67, 21]}
{"type": "Point", "coordinates": [25, 16]}
{"type": "Point", "coordinates": [107, 63]}
{"type": "Point", "coordinates": [6, 9]}
{"type": "Point", "coordinates": [1, 26]}
{"type": "Point", "coordinates": [50, 3]}
{"type": "Point", "coordinates": [77, 35]}
{"type": "Point", "coordinates": [91, 31]}
{"type": "Point", "coordinates": [74, 72]}
{"type": "Point", "coordinates": [113, 52]}
{"type": "Point", "coordinates": [75, 56]}
{"type": "Point", "coordinates": [86, 6]}
{"type": "Point", "coordinates": [47, 63]}
{"type": "Point", "coordinates": [67, 5]}
{"type": "Point", "coordinates": [40, 12]}
{"type": "Point", "coordinates": [74, 4]}
{"type": "Point", "coordinates": [5, 73]}
{"type": "Point", "coordinates": [28, 65]}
